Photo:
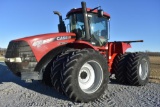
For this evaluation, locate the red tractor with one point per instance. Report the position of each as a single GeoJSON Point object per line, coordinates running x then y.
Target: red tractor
{"type": "Point", "coordinates": [78, 63]}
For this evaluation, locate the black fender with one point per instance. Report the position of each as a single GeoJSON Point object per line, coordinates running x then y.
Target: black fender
{"type": "Point", "coordinates": [48, 57]}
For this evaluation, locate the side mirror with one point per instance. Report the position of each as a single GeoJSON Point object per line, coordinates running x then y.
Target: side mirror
{"type": "Point", "coordinates": [100, 13]}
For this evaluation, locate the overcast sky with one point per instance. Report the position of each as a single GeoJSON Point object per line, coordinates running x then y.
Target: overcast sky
{"type": "Point", "coordinates": [130, 19]}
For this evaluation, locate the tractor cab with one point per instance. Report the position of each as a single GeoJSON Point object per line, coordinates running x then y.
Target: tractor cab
{"type": "Point", "coordinates": [97, 26]}
{"type": "Point", "coordinates": [91, 25]}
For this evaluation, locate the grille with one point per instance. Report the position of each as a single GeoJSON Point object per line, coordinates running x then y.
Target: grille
{"type": "Point", "coordinates": [23, 50]}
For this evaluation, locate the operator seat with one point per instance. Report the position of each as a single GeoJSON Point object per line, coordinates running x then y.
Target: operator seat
{"type": "Point", "coordinates": [103, 33]}
{"type": "Point", "coordinates": [103, 37]}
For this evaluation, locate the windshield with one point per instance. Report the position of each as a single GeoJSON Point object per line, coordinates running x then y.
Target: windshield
{"type": "Point", "coordinates": [98, 28]}
{"type": "Point", "coordinates": [77, 25]}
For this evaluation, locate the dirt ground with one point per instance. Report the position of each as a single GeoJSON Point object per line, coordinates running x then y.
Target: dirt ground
{"type": "Point", "coordinates": [155, 69]}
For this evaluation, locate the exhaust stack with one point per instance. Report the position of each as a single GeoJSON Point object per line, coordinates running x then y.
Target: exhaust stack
{"type": "Point", "coordinates": [61, 25]}
{"type": "Point", "coordinates": [85, 16]}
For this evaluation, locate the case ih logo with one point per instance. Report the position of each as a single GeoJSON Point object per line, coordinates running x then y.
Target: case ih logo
{"type": "Point", "coordinates": [63, 37]}
{"type": "Point", "coordinates": [42, 42]}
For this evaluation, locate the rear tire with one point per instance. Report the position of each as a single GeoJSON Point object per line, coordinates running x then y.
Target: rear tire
{"type": "Point", "coordinates": [119, 68]}
{"type": "Point", "coordinates": [138, 69]}
{"type": "Point", "coordinates": [84, 75]}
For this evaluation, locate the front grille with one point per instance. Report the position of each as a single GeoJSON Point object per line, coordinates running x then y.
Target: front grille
{"type": "Point", "coordinates": [12, 50]}
{"type": "Point", "coordinates": [17, 48]}
{"type": "Point", "coordinates": [20, 49]}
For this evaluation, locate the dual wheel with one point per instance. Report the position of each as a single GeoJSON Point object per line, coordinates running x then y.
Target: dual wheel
{"type": "Point", "coordinates": [132, 68]}
{"type": "Point", "coordinates": [82, 75]}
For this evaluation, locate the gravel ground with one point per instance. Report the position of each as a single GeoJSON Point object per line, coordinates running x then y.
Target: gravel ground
{"type": "Point", "coordinates": [17, 93]}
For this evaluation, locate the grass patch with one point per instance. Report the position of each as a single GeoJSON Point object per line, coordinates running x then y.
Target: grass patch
{"type": "Point", "coordinates": [1, 59]}
{"type": "Point", "coordinates": [155, 69]}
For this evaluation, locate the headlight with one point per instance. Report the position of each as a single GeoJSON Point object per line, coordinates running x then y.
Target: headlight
{"type": "Point", "coordinates": [17, 59]}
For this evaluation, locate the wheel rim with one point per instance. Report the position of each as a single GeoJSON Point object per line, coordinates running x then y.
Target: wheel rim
{"type": "Point", "coordinates": [143, 69]}
{"type": "Point", "coordinates": [87, 80]}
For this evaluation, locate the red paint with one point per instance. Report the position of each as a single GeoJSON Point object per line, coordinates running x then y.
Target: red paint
{"type": "Point", "coordinates": [88, 10]}
{"type": "Point", "coordinates": [110, 50]}
{"type": "Point", "coordinates": [42, 50]}
{"type": "Point", "coordinates": [79, 44]}
{"type": "Point", "coordinates": [113, 49]}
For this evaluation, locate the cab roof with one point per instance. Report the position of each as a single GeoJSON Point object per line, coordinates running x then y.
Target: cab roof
{"type": "Point", "coordinates": [79, 10]}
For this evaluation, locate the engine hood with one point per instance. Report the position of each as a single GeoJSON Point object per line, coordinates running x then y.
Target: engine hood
{"type": "Point", "coordinates": [32, 39]}
{"type": "Point", "coordinates": [42, 44]}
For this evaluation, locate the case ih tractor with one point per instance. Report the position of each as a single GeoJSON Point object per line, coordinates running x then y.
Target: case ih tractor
{"type": "Point", "coordinates": [78, 63]}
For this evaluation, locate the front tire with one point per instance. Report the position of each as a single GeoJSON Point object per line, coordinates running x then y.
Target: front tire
{"type": "Point", "coordinates": [85, 75]}
{"type": "Point", "coordinates": [138, 69]}
{"type": "Point", "coordinates": [56, 70]}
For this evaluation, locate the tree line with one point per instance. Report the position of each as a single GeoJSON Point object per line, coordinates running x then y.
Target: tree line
{"type": "Point", "coordinates": [2, 51]}
{"type": "Point", "coordinates": [153, 53]}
